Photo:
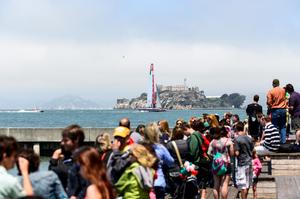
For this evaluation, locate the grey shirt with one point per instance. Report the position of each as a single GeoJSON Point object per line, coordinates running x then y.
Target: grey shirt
{"type": "Point", "coordinates": [244, 145]}
{"type": "Point", "coordinates": [136, 137]}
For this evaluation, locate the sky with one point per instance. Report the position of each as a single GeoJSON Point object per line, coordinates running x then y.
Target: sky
{"type": "Point", "coordinates": [101, 50]}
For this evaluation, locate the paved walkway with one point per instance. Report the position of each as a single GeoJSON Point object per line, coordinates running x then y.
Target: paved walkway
{"type": "Point", "coordinates": [288, 187]}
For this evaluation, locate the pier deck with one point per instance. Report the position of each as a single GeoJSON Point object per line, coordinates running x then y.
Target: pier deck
{"type": "Point", "coordinates": [288, 187]}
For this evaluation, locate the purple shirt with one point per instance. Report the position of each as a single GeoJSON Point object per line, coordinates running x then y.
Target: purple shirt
{"type": "Point", "coordinates": [295, 102]}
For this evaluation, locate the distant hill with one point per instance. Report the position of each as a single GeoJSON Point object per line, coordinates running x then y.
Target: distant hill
{"type": "Point", "coordinates": [70, 102]}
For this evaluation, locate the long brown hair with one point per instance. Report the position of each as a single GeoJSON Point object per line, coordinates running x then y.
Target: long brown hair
{"type": "Point", "coordinates": [164, 127]}
{"type": "Point", "coordinates": [94, 170]}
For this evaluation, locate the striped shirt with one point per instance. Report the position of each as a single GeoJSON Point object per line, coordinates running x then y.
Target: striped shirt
{"type": "Point", "coordinates": [271, 137]}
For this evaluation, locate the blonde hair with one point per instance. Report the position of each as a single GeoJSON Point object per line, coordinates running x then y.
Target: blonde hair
{"type": "Point", "coordinates": [103, 141]}
{"type": "Point", "coordinates": [214, 121]}
{"type": "Point", "coordinates": [143, 155]}
{"type": "Point", "coordinates": [151, 133]}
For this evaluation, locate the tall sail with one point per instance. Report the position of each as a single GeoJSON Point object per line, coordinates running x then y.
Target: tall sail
{"type": "Point", "coordinates": [152, 92]}
{"type": "Point", "coordinates": [149, 93]}
{"type": "Point", "coordinates": [153, 104]}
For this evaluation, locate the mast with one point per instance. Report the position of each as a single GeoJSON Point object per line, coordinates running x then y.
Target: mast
{"type": "Point", "coordinates": [153, 101]}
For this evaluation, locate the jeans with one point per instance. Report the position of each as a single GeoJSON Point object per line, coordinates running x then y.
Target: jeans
{"type": "Point", "coordinates": [279, 120]}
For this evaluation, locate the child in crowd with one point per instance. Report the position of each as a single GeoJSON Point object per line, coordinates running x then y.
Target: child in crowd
{"type": "Point", "coordinates": [256, 164]}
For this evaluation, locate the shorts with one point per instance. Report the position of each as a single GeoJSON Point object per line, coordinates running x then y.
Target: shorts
{"type": "Point", "coordinates": [254, 180]}
{"type": "Point", "coordinates": [204, 176]}
{"type": "Point", "coordinates": [202, 181]}
{"type": "Point", "coordinates": [296, 123]}
{"type": "Point", "coordinates": [229, 169]}
{"type": "Point", "coordinates": [243, 177]}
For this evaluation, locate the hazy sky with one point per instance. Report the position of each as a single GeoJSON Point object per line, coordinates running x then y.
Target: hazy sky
{"type": "Point", "coordinates": [101, 50]}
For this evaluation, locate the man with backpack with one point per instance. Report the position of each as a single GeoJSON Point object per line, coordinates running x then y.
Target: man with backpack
{"type": "Point", "coordinates": [198, 156]}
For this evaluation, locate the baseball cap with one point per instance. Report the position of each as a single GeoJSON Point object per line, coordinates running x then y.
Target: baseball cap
{"type": "Point", "coordinates": [121, 132]}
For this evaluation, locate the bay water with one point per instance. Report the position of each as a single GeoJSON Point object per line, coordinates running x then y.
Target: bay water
{"type": "Point", "coordinates": [100, 118]}
{"type": "Point", "coordinates": [97, 118]}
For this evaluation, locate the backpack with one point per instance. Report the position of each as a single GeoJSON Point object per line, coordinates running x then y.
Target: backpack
{"type": "Point", "coordinates": [203, 166]}
{"type": "Point", "coordinates": [219, 166]}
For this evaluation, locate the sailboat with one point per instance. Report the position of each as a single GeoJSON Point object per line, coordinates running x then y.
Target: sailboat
{"type": "Point", "coordinates": [153, 103]}
{"type": "Point", "coordinates": [34, 110]}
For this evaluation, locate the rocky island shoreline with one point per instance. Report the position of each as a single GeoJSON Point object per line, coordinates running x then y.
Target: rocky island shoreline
{"type": "Point", "coordinates": [186, 98]}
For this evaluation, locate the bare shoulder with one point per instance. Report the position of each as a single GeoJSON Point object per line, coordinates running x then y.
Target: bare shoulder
{"type": "Point", "coordinates": [229, 142]}
{"type": "Point", "coordinates": [92, 192]}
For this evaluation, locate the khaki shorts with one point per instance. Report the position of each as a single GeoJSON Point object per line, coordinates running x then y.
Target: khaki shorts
{"type": "Point", "coordinates": [296, 123]}
{"type": "Point", "coordinates": [243, 177]}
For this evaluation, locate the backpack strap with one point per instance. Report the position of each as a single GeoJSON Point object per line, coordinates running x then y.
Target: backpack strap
{"type": "Point", "coordinates": [227, 156]}
{"type": "Point", "coordinates": [177, 153]}
{"type": "Point", "coordinates": [224, 147]}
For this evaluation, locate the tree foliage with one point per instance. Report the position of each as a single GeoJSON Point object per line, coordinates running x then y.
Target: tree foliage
{"type": "Point", "coordinates": [234, 99]}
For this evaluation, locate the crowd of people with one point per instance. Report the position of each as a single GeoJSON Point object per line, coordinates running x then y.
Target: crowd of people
{"type": "Point", "coordinates": [154, 161]}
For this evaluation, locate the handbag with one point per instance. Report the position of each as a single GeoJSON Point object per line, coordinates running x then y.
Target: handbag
{"type": "Point", "coordinates": [190, 183]}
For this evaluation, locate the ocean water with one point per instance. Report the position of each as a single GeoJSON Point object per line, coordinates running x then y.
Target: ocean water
{"type": "Point", "coordinates": [100, 118]}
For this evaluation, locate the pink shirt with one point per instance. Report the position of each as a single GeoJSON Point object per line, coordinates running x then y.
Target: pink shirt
{"type": "Point", "coordinates": [256, 166]}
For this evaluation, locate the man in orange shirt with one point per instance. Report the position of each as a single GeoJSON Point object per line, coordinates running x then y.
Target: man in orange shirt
{"type": "Point", "coordinates": [277, 104]}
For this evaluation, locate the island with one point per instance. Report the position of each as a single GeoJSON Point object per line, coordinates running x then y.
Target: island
{"type": "Point", "coordinates": [183, 97]}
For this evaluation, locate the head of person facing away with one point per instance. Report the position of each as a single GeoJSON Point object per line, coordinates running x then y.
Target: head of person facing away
{"type": "Point", "coordinates": [8, 151]}
{"type": "Point", "coordinates": [152, 133]}
{"type": "Point", "coordinates": [275, 83]}
{"type": "Point", "coordinates": [33, 159]}
{"type": "Point", "coordinates": [121, 134]}
{"type": "Point", "coordinates": [144, 155]}
{"type": "Point", "coordinates": [212, 120]}
{"type": "Point", "coordinates": [93, 169]}
{"type": "Point", "coordinates": [72, 138]}
{"type": "Point", "coordinates": [289, 88]}
{"type": "Point", "coordinates": [177, 133]}
{"type": "Point", "coordinates": [103, 142]}
{"type": "Point", "coordinates": [240, 128]}
{"type": "Point", "coordinates": [219, 132]}
{"type": "Point", "coordinates": [256, 98]}
{"type": "Point", "coordinates": [125, 122]}
{"type": "Point", "coordinates": [164, 127]}
{"type": "Point", "coordinates": [264, 119]}
{"type": "Point", "coordinates": [228, 115]}
{"type": "Point", "coordinates": [197, 125]}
